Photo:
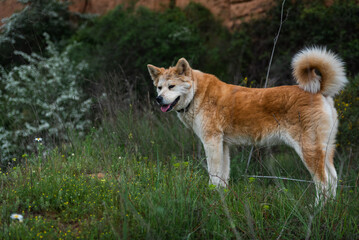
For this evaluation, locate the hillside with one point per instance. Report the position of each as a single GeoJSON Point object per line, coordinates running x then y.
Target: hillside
{"type": "Point", "coordinates": [86, 153]}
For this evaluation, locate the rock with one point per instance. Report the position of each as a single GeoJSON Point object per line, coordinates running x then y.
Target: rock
{"type": "Point", "coordinates": [8, 7]}
{"type": "Point", "coordinates": [230, 12]}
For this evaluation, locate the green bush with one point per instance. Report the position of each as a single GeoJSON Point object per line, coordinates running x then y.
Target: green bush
{"type": "Point", "coordinates": [347, 105]}
{"type": "Point", "coordinates": [130, 39]}
{"type": "Point", "coordinates": [306, 23]}
{"type": "Point", "coordinates": [126, 40]}
{"type": "Point", "coordinates": [41, 99]}
{"type": "Point", "coordinates": [23, 30]}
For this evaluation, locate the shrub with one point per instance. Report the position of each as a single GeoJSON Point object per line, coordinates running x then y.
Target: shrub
{"type": "Point", "coordinates": [41, 98]}
{"type": "Point", "coordinates": [306, 23]}
{"type": "Point", "coordinates": [125, 40]}
{"type": "Point", "coordinates": [130, 39]}
{"type": "Point", "coordinates": [23, 30]}
{"type": "Point", "coordinates": [347, 105]}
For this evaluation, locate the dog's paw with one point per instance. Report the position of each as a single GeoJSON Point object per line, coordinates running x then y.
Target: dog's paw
{"type": "Point", "coordinates": [218, 182]}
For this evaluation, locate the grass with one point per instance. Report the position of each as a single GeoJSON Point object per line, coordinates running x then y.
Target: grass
{"type": "Point", "coordinates": [144, 178]}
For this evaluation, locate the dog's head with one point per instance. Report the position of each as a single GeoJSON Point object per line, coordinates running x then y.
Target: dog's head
{"type": "Point", "coordinates": [174, 85]}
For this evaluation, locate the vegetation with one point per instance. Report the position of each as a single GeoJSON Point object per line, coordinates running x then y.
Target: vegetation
{"type": "Point", "coordinates": [126, 40]}
{"type": "Point", "coordinates": [23, 31]}
{"type": "Point", "coordinates": [306, 23]}
{"type": "Point", "coordinates": [109, 186]}
{"type": "Point", "coordinates": [42, 99]}
{"type": "Point", "coordinates": [107, 164]}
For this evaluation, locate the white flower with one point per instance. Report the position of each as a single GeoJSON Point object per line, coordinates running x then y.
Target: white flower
{"type": "Point", "coordinates": [38, 139]}
{"type": "Point", "coordinates": [16, 216]}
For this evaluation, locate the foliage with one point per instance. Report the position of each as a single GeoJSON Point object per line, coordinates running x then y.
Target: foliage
{"type": "Point", "coordinates": [126, 40]}
{"type": "Point", "coordinates": [214, 39]}
{"type": "Point", "coordinates": [23, 30]}
{"type": "Point", "coordinates": [129, 39]}
{"type": "Point", "coordinates": [347, 104]}
{"type": "Point", "coordinates": [306, 23]}
{"type": "Point", "coordinates": [41, 98]}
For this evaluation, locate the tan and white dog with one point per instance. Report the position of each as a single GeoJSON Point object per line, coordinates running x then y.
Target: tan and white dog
{"type": "Point", "coordinates": [222, 114]}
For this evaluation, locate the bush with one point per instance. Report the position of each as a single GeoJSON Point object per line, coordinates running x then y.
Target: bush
{"type": "Point", "coordinates": [41, 98]}
{"type": "Point", "coordinates": [130, 39]}
{"type": "Point", "coordinates": [347, 105]}
{"type": "Point", "coordinates": [23, 31]}
{"type": "Point", "coordinates": [306, 23]}
{"type": "Point", "coordinates": [126, 40]}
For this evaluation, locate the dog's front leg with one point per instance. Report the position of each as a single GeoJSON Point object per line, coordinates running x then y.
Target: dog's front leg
{"type": "Point", "coordinates": [214, 152]}
{"type": "Point", "coordinates": [226, 163]}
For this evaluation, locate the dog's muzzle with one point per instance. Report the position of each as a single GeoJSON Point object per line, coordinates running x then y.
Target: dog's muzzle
{"type": "Point", "coordinates": [166, 107]}
{"type": "Point", "coordinates": [159, 100]}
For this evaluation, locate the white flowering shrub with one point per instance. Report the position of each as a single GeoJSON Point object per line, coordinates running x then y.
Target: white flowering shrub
{"type": "Point", "coordinates": [41, 98]}
{"type": "Point", "coordinates": [23, 30]}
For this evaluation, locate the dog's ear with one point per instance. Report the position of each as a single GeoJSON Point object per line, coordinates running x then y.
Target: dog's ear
{"type": "Point", "coordinates": [183, 67]}
{"type": "Point", "coordinates": [154, 72]}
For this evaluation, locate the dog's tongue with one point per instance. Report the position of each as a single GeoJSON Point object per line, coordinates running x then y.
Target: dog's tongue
{"type": "Point", "coordinates": [164, 108]}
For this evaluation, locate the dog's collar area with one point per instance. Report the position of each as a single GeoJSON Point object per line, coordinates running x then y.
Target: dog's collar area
{"type": "Point", "coordinates": [183, 110]}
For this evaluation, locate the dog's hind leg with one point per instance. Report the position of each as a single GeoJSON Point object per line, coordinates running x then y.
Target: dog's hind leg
{"type": "Point", "coordinates": [314, 160]}
{"type": "Point", "coordinates": [314, 156]}
{"type": "Point", "coordinates": [329, 132]}
{"type": "Point", "coordinates": [213, 147]}
{"type": "Point", "coordinates": [318, 159]}
{"type": "Point", "coordinates": [331, 172]}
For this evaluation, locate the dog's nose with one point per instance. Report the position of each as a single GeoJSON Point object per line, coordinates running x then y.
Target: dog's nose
{"type": "Point", "coordinates": [159, 99]}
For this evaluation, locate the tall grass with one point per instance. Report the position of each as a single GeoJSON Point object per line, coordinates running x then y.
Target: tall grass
{"type": "Point", "coordinates": [143, 177]}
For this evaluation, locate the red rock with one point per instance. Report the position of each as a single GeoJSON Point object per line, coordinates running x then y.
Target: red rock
{"type": "Point", "coordinates": [230, 12]}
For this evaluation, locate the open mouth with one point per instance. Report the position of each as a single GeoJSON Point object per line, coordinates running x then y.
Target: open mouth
{"type": "Point", "coordinates": [169, 107]}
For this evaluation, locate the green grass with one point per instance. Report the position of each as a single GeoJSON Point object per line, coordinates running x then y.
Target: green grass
{"type": "Point", "coordinates": [138, 179]}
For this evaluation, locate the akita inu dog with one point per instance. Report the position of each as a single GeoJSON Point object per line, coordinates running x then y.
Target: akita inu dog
{"type": "Point", "coordinates": [221, 114]}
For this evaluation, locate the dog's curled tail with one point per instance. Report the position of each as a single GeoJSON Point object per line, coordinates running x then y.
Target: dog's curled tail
{"type": "Point", "coordinates": [331, 78]}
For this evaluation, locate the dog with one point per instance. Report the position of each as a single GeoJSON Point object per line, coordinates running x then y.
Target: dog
{"type": "Point", "coordinates": [302, 116]}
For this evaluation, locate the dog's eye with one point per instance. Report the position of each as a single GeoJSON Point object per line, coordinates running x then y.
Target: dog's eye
{"type": "Point", "coordinates": [171, 86]}
{"type": "Point", "coordinates": [159, 88]}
